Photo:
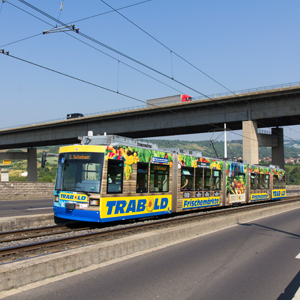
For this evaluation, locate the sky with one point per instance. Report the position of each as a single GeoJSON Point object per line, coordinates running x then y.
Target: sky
{"type": "Point", "coordinates": [238, 44]}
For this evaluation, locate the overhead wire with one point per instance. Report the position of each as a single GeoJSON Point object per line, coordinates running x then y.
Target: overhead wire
{"type": "Point", "coordinates": [89, 45]}
{"type": "Point", "coordinates": [107, 12]}
{"type": "Point", "coordinates": [114, 50]}
{"type": "Point", "coordinates": [95, 85]}
{"type": "Point", "coordinates": [1, 6]}
{"type": "Point", "coordinates": [120, 53]}
{"type": "Point", "coordinates": [172, 51]}
{"type": "Point", "coordinates": [107, 54]}
{"type": "Point", "coordinates": [166, 47]}
{"type": "Point", "coordinates": [62, 24]}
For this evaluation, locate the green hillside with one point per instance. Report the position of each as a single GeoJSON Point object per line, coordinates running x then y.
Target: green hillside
{"type": "Point", "coordinates": [234, 149]}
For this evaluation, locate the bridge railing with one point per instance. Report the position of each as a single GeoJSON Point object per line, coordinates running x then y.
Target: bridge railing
{"type": "Point", "coordinates": [239, 92]}
{"type": "Point", "coordinates": [246, 91]}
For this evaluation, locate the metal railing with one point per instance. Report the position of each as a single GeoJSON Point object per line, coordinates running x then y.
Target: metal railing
{"type": "Point", "coordinates": [239, 92]}
{"type": "Point", "coordinates": [246, 91]}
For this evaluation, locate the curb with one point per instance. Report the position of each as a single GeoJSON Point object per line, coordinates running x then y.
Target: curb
{"type": "Point", "coordinates": [21, 222]}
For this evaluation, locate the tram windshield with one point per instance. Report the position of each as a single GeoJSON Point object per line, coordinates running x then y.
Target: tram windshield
{"type": "Point", "coordinates": [79, 172]}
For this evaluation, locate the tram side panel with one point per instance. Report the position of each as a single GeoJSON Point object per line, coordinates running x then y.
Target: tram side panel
{"type": "Point", "coordinates": [199, 183]}
{"type": "Point", "coordinates": [236, 183]}
{"type": "Point", "coordinates": [278, 183]}
{"type": "Point", "coordinates": [260, 183]}
{"type": "Point", "coordinates": [137, 183]}
{"type": "Point", "coordinates": [266, 183]}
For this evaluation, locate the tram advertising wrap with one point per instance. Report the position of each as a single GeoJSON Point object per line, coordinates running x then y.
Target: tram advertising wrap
{"type": "Point", "coordinates": [111, 178]}
{"type": "Point", "coordinates": [112, 209]}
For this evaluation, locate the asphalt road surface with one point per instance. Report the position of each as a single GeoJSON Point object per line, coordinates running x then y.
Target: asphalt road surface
{"type": "Point", "coordinates": [255, 260]}
{"type": "Point", "coordinates": [13, 208]}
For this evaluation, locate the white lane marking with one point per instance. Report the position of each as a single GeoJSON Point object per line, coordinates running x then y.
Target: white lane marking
{"type": "Point", "coordinates": [297, 295]}
{"type": "Point", "coordinates": [39, 208]}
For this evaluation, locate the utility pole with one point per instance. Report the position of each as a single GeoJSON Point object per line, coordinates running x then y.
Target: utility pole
{"type": "Point", "coordinates": [225, 141]}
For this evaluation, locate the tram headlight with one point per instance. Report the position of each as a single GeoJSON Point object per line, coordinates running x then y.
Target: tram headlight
{"type": "Point", "coordinates": [94, 202]}
{"type": "Point", "coordinates": [56, 198]}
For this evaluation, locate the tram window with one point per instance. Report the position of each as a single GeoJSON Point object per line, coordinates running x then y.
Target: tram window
{"type": "Point", "coordinates": [275, 182]}
{"type": "Point", "coordinates": [261, 181]}
{"type": "Point", "coordinates": [199, 180]}
{"type": "Point", "coordinates": [159, 178]}
{"type": "Point", "coordinates": [114, 177]}
{"type": "Point", "coordinates": [142, 178]}
{"type": "Point", "coordinates": [267, 181]}
{"type": "Point", "coordinates": [187, 179]}
{"type": "Point", "coordinates": [281, 182]}
{"type": "Point", "coordinates": [253, 181]}
{"type": "Point", "coordinates": [207, 174]}
{"type": "Point", "coordinates": [80, 172]}
{"type": "Point", "coordinates": [216, 180]}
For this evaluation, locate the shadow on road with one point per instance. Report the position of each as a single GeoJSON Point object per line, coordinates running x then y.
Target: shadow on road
{"type": "Point", "coordinates": [291, 289]}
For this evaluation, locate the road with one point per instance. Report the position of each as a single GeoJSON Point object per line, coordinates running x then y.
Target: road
{"type": "Point", "coordinates": [255, 260]}
{"type": "Point", "coordinates": [13, 208]}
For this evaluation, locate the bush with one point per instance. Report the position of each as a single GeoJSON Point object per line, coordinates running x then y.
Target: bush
{"type": "Point", "coordinates": [47, 178]}
{"type": "Point", "coordinates": [17, 178]}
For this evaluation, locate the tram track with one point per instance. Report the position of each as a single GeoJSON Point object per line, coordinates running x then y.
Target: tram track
{"type": "Point", "coordinates": [23, 234]}
{"type": "Point", "coordinates": [32, 249]}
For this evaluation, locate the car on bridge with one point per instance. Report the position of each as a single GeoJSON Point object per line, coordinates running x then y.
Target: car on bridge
{"type": "Point", "coordinates": [74, 115]}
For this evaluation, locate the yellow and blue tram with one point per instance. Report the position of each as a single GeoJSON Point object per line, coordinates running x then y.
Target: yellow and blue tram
{"type": "Point", "coordinates": [109, 178]}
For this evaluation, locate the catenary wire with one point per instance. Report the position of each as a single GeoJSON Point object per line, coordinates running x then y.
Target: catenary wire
{"type": "Point", "coordinates": [107, 12]}
{"type": "Point", "coordinates": [89, 45]}
{"type": "Point", "coordinates": [99, 86]}
{"type": "Point", "coordinates": [166, 47]}
{"type": "Point", "coordinates": [1, 7]}
{"type": "Point", "coordinates": [172, 51]}
{"type": "Point", "coordinates": [108, 47]}
{"type": "Point", "coordinates": [118, 52]}
{"type": "Point", "coordinates": [112, 49]}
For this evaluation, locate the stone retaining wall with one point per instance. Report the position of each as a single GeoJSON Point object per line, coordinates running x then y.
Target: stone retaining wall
{"type": "Point", "coordinates": [26, 190]}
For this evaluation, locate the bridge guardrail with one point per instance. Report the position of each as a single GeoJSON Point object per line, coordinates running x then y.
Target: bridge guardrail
{"type": "Point", "coordinates": [239, 92]}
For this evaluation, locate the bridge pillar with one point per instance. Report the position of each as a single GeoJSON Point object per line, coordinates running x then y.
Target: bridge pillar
{"type": "Point", "coordinates": [278, 151]}
{"type": "Point", "coordinates": [32, 164]}
{"type": "Point", "coordinates": [250, 142]}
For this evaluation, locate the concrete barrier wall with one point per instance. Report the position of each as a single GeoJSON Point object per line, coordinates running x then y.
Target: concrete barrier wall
{"type": "Point", "coordinates": [26, 190]}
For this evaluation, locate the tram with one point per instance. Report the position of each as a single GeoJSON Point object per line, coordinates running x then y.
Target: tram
{"type": "Point", "coordinates": [109, 178]}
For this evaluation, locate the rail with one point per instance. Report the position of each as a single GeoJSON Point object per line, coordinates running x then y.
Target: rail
{"type": "Point", "coordinates": [12, 253]}
{"type": "Point", "coordinates": [225, 94]}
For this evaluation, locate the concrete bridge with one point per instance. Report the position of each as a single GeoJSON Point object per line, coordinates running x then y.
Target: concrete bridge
{"type": "Point", "coordinates": [248, 111]}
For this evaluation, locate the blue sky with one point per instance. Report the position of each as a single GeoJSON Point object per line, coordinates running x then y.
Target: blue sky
{"type": "Point", "coordinates": [241, 44]}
